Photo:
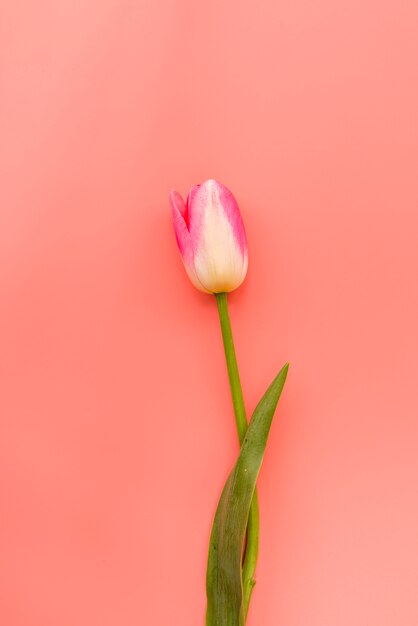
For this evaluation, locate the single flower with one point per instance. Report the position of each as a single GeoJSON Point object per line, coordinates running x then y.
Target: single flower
{"type": "Point", "coordinates": [211, 237]}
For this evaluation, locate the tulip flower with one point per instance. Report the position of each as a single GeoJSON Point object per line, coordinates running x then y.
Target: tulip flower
{"type": "Point", "coordinates": [211, 237]}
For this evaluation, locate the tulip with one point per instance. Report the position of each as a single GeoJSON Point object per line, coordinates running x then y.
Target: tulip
{"type": "Point", "coordinates": [213, 246]}
{"type": "Point", "coordinates": [211, 237]}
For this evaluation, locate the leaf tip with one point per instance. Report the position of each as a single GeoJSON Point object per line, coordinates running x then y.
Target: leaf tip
{"type": "Point", "coordinates": [284, 370]}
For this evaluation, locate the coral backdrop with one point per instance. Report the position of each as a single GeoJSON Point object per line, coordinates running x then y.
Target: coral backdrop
{"type": "Point", "coordinates": [116, 424]}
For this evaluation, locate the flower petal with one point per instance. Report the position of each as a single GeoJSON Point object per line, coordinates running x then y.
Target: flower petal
{"type": "Point", "coordinates": [218, 237]}
{"type": "Point", "coordinates": [183, 237]}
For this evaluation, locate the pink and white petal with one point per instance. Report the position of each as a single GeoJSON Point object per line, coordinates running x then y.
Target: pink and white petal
{"type": "Point", "coordinates": [183, 238]}
{"type": "Point", "coordinates": [218, 258]}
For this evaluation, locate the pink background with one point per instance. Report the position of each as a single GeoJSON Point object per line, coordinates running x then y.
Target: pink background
{"type": "Point", "coordinates": [116, 425]}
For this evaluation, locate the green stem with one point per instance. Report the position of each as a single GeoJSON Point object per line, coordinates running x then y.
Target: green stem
{"type": "Point", "coordinates": [251, 550]}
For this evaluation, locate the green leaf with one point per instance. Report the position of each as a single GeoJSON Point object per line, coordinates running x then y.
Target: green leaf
{"type": "Point", "coordinates": [225, 605]}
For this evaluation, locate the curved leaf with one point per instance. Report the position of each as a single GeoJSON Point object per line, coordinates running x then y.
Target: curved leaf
{"type": "Point", "coordinates": [225, 606]}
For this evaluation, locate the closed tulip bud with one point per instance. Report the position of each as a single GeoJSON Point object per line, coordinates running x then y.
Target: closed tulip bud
{"type": "Point", "coordinates": [211, 237]}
